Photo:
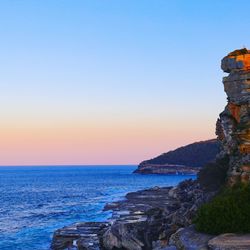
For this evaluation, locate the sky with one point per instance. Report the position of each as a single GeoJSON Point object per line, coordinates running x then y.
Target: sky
{"type": "Point", "coordinates": [112, 81]}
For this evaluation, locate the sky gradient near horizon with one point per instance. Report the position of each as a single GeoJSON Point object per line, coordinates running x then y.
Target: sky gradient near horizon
{"type": "Point", "coordinates": [112, 82]}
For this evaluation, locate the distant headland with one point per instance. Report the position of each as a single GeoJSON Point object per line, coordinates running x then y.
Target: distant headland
{"type": "Point", "coordinates": [188, 159]}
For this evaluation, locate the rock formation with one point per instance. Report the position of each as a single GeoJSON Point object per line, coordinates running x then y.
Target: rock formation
{"type": "Point", "coordinates": [160, 218]}
{"type": "Point", "coordinates": [233, 126]}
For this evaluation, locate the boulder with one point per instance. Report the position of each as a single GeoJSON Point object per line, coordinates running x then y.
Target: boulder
{"type": "Point", "coordinates": [189, 239]}
{"type": "Point", "coordinates": [230, 242]}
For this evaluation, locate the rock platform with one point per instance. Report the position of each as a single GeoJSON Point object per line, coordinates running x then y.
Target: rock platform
{"type": "Point", "coordinates": [144, 220]}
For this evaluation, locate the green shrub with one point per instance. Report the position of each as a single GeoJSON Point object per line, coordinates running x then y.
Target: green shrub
{"type": "Point", "coordinates": [228, 212]}
{"type": "Point", "coordinates": [213, 176]}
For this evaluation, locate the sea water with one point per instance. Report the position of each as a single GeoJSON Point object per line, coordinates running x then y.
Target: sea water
{"type": "Point", "coordinates": [35, 201]}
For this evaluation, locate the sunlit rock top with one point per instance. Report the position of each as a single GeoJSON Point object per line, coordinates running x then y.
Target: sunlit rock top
{"type": "Point", "coordinates": [236, 60]}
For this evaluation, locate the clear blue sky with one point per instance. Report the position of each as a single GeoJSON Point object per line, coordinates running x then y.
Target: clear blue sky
{"type": "Point", "coordinates": [135, 77]}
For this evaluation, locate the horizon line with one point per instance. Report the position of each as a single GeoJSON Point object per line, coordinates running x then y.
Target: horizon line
{"type": "Point", "coordinates": [67, 165]}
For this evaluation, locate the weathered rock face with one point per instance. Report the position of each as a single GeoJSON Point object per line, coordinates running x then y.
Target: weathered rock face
{"type": "Point", "coordinates": [233, 126]}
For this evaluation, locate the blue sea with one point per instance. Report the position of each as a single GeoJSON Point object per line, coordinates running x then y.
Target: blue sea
{"type": "Point", "coordinates": [35, 201]}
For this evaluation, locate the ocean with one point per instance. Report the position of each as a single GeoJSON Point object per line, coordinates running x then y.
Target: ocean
{"type": "Point", "coordinates": [35, 201]}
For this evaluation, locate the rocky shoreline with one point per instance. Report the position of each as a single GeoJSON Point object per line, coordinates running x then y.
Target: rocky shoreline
{"type": "Point", "coordinates": [145, 219]}
{"type": "Point", "coordinates": [152, 219]}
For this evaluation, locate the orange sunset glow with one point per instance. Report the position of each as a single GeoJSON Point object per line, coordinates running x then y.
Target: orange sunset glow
{"type": "Point", "coordinates": [107, 142]}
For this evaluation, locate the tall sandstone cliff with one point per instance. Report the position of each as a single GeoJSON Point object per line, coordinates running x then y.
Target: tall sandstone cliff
{"type": "Point", "coordinates": [233, 126]}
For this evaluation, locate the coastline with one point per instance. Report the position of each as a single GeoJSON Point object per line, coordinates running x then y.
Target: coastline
{"type": "Point", "coordinates": [56, 202]}
{"type": "Point", "coordinates": [159, 218]}
{"type": "Point", "coordinates": [157, 212]}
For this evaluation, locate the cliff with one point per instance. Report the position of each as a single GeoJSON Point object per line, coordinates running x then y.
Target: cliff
{"type": "Point", "coordinates": [184, 160]}
{"type": "Point", "coordinates": [233, 126]}
{"type": "Point", "coordinates": [161, 218]}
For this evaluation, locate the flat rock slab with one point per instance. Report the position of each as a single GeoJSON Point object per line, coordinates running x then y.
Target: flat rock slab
{"type": "Point", "coordinates": [141, 201]}
{"type": "Point", "coordinates": [230, 242]}
{"type": "Point", "coordinates": [78, 236]}
{"type": "Point", "coordinates": [189, 239]}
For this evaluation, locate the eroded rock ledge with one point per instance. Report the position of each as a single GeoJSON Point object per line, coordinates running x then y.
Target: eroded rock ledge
{"type": "Point", "coordinates": [143, 220]}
